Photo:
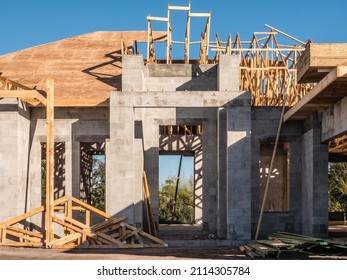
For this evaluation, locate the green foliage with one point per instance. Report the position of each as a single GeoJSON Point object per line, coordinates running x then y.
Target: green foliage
{"type": "Point", "coordinates": [338, 187]}
{"type": "Point", "coordinates": [184, 204]}
{"type": "Point", "coordinates": [98, 186]}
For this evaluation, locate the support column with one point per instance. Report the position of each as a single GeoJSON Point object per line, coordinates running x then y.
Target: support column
{"type": "Point", "coordinates": [314, 180]}
{"type": "Point", "coordinates": [120, 162]}
{"type": "Point", "coordinates": [239, 168]}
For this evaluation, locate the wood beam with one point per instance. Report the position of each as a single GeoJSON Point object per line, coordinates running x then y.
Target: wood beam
{"type": "Point", "coordinates": [50, 163]}
{"type": "Point", "coordinates": [23, 94]}
{"type": "Point", "coordinates": [337, 72]}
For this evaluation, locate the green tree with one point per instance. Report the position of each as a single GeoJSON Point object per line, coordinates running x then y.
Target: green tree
{"type": "Point", "coordinates": [98, 183]}
{"type": "Point", "coordinates": [337, 187]}
{"type": "Point", "coordinates": [184, 204]}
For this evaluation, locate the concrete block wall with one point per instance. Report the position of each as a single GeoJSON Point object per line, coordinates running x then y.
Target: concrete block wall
{"type": "Point", "coordinates": [14, 148]}
{"type": "Point", "coordinates": [265, 122]}
{"type": "Point", "coordinates": [174, 77]}
{"type": "Point", "coordinates": [239, 168]}
{"type": "Point", "coordinates": [71, 127]}
{"type": "Point", "coordinates": [314, 180]}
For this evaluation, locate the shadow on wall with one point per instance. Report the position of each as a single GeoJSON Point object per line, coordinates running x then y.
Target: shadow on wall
{"type": "Point", "coordinates": [202, 79]}
{"type": "Point", "coordinates": [110, 66]}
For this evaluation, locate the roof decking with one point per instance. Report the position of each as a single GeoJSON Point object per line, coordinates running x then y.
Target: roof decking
{"type": "Point", "coordinates": [85, 68]}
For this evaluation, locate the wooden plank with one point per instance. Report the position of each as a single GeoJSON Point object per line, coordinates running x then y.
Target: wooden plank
{"type": "Point", "coordinates": [339, 71]}
{"type": "Point", "coordinates": [65, 239]}
{"type": "Point", "coordinates": [91, 208]}
{"type": "Point", "coordinates": [179, 8]}
{"type": "Point", "coordinates": [50, 162]}
{"type": "Point", "coordinates": [157, 18]}
{"type": "Point", "coordinates": [110, 239]}
{"type": "Point", "coordinates": [87, 218]}
{"type": "Point", "coordinates": [75, 222]}
{"type": "Point", "coordinates": [74, 208]}
{"type": "Point", "coordinates": [200, 14]}
{"type": "Point", "coordinates": [23, 216]}
{"type": "Point", "coordinates": [21, 244]}
{"type": "Point", "coordinates": [109, 222]}
{"type": "Point", "coordinates": [122, 231]}
{"type": "Point", "coordinates": [3, 234]}
{"type": "Point", "coordinates": [23, 94]}
{"type": "Point", "coordinates": [22, 236]}
{"type": "Point", "coordinates": [61, 200]}
{"type": "Point", "coordinates": [110, 228]}
{"type": "Point", "coordinates": [146, 235]}
{"type": "Point", "coordinates": [24, 231]}
{"type": "Point", "coordinates": [150, 220]}
{"type": "Point", "coordinates": [128, 235]}
{"type": "Point", "coordinates": [72, 227]}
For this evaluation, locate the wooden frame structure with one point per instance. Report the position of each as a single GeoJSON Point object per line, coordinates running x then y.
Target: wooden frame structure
{"type": "Point", "coordinates": [267, 68]}
{"type": "Point", "coordinates": [205, 35]}
{"type": "Point", "coordinates": [110, 233]}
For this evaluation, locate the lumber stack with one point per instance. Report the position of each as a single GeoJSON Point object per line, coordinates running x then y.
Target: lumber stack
{"type": "Point", "coordinates": [112, 232]}
{"type": "Point", "coordinates": [283, 245]}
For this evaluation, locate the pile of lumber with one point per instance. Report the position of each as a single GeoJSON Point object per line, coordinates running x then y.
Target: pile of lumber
{"type": "Point", "coordinates": [111, 232]}
{"type": "Point", "coordinates": [283, 245]}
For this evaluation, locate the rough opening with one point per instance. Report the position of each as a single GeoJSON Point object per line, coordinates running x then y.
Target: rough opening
{"type": "Point", "coordinates": [278, 193]}
{"type": "Point", "coordinates": [93, 174]}
{"type": "Point", "coordinates": [176, 188]}
{"type": "Point", "coordinates": [59, 171]}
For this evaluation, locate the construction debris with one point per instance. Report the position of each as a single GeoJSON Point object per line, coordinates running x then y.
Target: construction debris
{"type": "Point", "coordinates": [283, 245]}
{"type": "Point", "coordinates": [110, 233]}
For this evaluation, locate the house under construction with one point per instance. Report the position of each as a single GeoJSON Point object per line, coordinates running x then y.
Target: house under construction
{"type": "Point", "coordinates": [261, 119]}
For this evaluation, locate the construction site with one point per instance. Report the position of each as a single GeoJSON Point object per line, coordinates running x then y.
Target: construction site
{"type": "Point", "coordinates": [261, 120]}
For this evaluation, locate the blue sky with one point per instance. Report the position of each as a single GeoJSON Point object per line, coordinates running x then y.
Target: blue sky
{"type": "Point", "coordinates": [29, 23]}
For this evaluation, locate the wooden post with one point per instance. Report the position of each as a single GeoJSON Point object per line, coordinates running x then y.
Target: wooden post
{"type": "Point", "coordinates": [176, 191]}
{"type": "Point", "coordinates": [87, 218]}
{"type": "Point", "coordinates": [150, 220]}
{"type": "Point", "coordinates": [50, 162]}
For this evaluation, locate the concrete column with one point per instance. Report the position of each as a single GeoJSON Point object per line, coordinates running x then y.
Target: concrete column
{"type": "Point", "coordinates": [239, 168]}
{"type": "Point", "coordinates": [228, 73]}
{"type": "Point", "coordinates": [120, 163]}
{"type": "Point", "coordinates": [314, 180]}
{"type": "Point", "coordinates": [133, 73]}
{"type": "Point", "coordinates": [222, 175]}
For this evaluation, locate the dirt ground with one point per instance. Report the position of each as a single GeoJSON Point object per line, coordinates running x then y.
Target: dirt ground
{"type": "Point", "coordinates": [176, 253]}
{"type": "Point", "coordinates": [13, 253]}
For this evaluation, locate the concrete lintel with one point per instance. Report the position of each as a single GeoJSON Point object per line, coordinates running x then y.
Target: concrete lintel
{"type": "Point", "coordinates": [173, 99]}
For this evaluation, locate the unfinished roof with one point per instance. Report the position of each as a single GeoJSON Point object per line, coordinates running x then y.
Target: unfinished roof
{"type": "Point", "coordinates": [85, 68]}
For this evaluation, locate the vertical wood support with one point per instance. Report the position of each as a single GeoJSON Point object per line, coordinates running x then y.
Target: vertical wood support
{"type": "Point", "coordinates": [3, 234]}
{"type": "Point", "coordinates": [87, 218]}
{"type": "Point", "coordinates": [187, 39]}
{"type": "Point", "coordinates": [50, 162]}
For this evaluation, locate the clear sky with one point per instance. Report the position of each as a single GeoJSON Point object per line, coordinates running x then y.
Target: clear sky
{"type": "Point", "coordinates": [27, 23]}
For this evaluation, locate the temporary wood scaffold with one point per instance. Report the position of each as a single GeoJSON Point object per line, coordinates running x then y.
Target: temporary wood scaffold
{"type": "Point", "coordinates": [267, 68]}
{"type": "Point", "coordinates": [110, 233]}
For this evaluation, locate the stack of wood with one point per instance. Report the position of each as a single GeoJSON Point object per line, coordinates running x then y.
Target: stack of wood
{"type": "Point", "coordinates": [283, 245]}
{"type": "Point", "coordinates": [112, 232]}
